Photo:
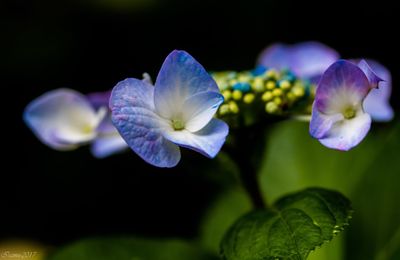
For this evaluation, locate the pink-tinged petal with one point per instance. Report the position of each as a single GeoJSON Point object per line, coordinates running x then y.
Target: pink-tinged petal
{"type": "Point", "coordinates": [343, 84]}
{"type": "Point", "coordinates": [306, 59]}
{"type": "Point", "coordinates": [199, 109]}
{"type": "Point", "coordinates": [208, 141]}
{"type": "Point", "coordinates": [377, 102]}
{"type": "Point", "coordinates": [63, 119]}
{"type": "Point", "coordinates": [133, 114]}
{"type": "Point", "coordinates": [180, 78]}
{"type": "Point", "coordinates": [373, 78]}
{"type": "Point", "coordinates": [346, 134]}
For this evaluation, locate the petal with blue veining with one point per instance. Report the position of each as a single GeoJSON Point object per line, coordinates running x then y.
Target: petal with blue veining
{"type": "Point", "coordinates": [134, 115]}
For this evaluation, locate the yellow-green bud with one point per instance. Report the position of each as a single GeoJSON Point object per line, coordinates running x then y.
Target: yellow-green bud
{"type": "Point", "coordinates": [298, 91]}
{"type": "Point", "coordinates": [224, 109]}
{"type": "Point", "coordinates": [233, 107]}
{"type": "Point", "coordinates": [270, 85]}
{"type": "Point", "coordinates": [267, 96]}
{"type": "Point", "coordinates": [273, 74]}
{"type": "Point", "coordinates": [277, 92]}
{"type": "Point", "coordinates": [248, 98]}
{"type": "Point", "coordinates": [271, 107]}
{"type": "Point", "coordinates": [258, 84]}
{"type": "Point", "coordinates": [227, 94]}
{"type": "Point", "coordinates": [285, 84]}
{"type": "Point", "coordinates": [278, 101]}
{"type": "Point", "coordinates": [237, 94]}
{"type": "Point", "coordinates": [244, 77]}
{"type": "Point", "coordinates": [232, 82]}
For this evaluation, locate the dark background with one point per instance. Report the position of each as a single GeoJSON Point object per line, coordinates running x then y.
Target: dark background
{"type": "Point", "coordinates": [55, 197]}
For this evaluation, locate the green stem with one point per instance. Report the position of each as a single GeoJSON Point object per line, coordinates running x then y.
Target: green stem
{"type": "Point", "coordinates": [245, 146]}
{"type": "Point", "coordinates": [249, 179]}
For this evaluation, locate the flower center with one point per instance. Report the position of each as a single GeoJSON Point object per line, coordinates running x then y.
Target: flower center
{"type": "Point", "coordinates": [178, 124]}
{"type": "Point", "coordinates": [87, 129]}
{"type": "Point", "coordinates": [349, 113]}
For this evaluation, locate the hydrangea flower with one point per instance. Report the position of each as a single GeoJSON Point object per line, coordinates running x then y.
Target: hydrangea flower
{"type": "Point", "coordinates": [310, 59]}
{"type": "Point", "coordinates": [64, 119]}
{"type": "Point", "coordinates": [338, 119]}
{"type": "Point", "coordinates": [177, 111]}
{"type": "Point", "coordinates": [307, 59]}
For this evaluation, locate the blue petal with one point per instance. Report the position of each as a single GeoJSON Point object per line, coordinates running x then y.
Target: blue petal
{"type": "Point", "coordinates": [208, 141]}
{"type": "Point", "coordinates": [306, 59]}
{"type": "Point", "coordinates": [108, 140]}
{"type": "Point", "coordinates": [377, 102]}
{"type": "Point", "coordinates": [180, 77]}
{"type": "Point", "coordinates": [106, 145]}
{"type": "Point", "coordinates": [133, 114]}
{"type": "Point", "coordinates": [372, 77]}
{"type": "Point", "coordinates": [276, 56]}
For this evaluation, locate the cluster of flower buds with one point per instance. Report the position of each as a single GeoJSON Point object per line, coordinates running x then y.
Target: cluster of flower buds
{"type": "Point", "coordinates": [263, 90]}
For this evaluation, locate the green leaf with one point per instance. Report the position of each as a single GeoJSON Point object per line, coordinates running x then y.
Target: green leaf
{"type": "Point", "coordinates": [302, 221]}
{"type": "Point", "coordinates": [130, 249]}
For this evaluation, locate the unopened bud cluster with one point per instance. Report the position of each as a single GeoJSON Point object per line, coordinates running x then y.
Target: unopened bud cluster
{"type": "Point", "coordinates": [268, 90]}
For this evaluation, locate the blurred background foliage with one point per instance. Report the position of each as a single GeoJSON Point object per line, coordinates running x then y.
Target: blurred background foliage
{"type": "Point", "coordinates": [55, 199]}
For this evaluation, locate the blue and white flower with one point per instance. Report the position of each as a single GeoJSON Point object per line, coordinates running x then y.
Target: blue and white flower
{"type": "Point", "coordinates": [177, 111]}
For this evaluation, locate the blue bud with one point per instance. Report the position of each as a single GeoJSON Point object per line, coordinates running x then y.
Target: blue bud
{"type": "Point", "coordinates": [259, 70]}
{"type": "Point", "coordinates": [242, 86]}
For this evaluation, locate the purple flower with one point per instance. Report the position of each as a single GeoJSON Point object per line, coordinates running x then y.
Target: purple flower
{"type": "Point", "coordinates": [338, 119]}
{"type": "Point", "coordinates": [306, 59]}
{"type": "Point", "coordinates": [64, 119]}
{"type": "Point", "coordinates": [177, 111]}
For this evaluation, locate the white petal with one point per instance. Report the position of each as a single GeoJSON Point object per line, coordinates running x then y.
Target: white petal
{"type": "Point", "coordinates": [199, 110]}
{"type": "Point", "coordinates": [180, 78]}
{"type": "Point", "coordinates": [63, 118]}
{"type": "Point", "coordinates": [208, 141]}
{"type": "Point", "coordinates": [346, 134]}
